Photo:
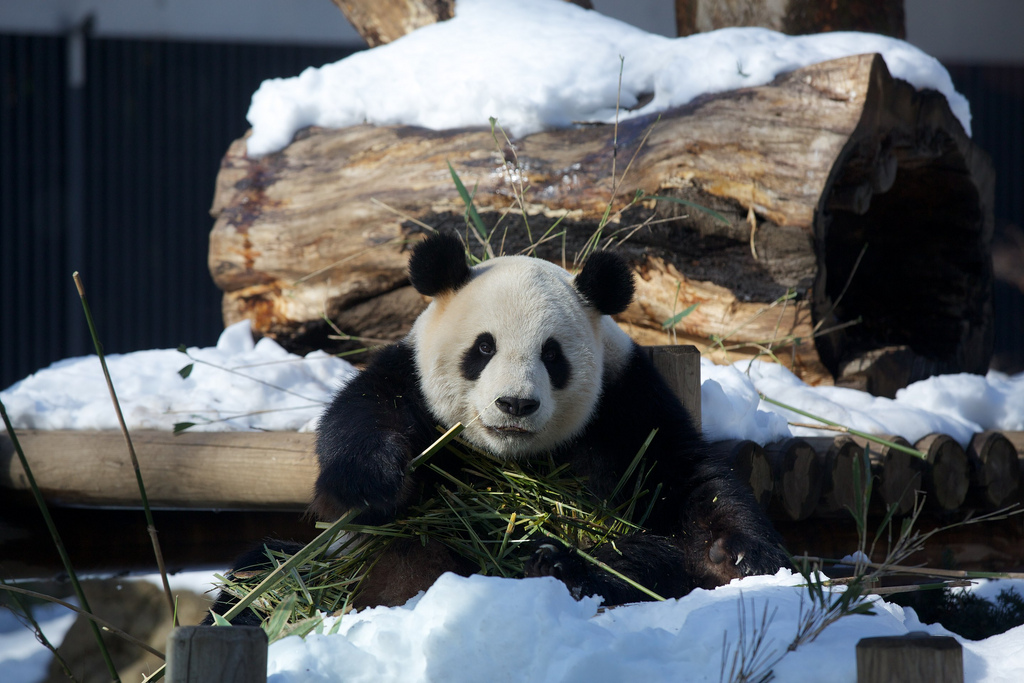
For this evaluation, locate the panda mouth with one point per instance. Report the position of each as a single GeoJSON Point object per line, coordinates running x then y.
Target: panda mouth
{"type": "Point", "coordinates": [510, 430]}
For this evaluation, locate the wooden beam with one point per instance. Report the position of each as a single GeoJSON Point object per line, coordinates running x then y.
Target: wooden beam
{"type": "Point", "coordinates": [194, 470]}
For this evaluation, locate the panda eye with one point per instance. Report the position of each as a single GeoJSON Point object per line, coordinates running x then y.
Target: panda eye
{"type": "Point", "coordinates": [556, 363]}
{"type": "Point", "coordinates": [486, 347]}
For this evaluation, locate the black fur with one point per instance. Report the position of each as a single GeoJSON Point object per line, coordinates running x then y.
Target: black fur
{"type": "Point", "coordinates": [438, 265]}
{"type": "Point", "coordinates": [557, 365]}
{"type": "Point", "coordinates": [477, 356]}
{"type": "Point", "coordinates": [703, 521]}
{"type": "Point", "coordinates": [606, 283]}
{"type": "Point", "coordinates": [367, 436]}
{"type": "Point", "coordinates": [704, 528]}
{"type": "Point", "coordinates": [256, 559]}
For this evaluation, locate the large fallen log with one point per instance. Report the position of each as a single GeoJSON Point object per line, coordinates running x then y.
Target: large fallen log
{"type": "Point", "coordinates": [808, 171]}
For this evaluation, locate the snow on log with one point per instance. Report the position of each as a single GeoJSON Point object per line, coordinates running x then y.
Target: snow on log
{"type": "Point", "coordinates": [807, 171]}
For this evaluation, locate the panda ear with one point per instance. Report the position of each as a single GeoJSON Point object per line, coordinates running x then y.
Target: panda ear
{"type": "Point", "coordinates": [606, 282]}
{"type": "Point", "coordinates": [438, 265]}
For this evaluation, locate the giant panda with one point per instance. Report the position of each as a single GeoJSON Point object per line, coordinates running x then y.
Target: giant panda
{"type": "Point", "coordinates": [527, 356]}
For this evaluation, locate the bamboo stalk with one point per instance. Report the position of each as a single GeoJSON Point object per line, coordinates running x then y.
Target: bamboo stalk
{"type": "Point", "coordinates": [150, 525]}
{"type": "Point", "coordinates": [55, 535]}
{"type": "Point", "coordinates": [846, 430]}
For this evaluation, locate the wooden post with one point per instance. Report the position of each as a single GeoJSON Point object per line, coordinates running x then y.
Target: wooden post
{"type": "Point", "coordinates": [901, 474]}
{"type": "Point", "coordinates": [217, 654]}
{"type": "Point", "coordinates": [948, 474]}
{"type": "Point", "coordinates": [913, 658]}
{"type": "Point", "coordinates": [839, 456]}
{"type": "Point", "coordinates": [680, 367]}
{"type": "Point", "coordinates": [995, 470]}
{"type": "Point", "coordinates": [750, 465]}
{"type": "Point", "coordinates": [798, 477]}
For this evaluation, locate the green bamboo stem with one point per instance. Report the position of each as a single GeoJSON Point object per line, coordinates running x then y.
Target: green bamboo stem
{"type": "Point", "coordinates": [150, 526]}
{"type": "Point", "coordinates": [925, 571]}
{"type": "Point", "coordinates": [58, 543]}
{"type": "Point", "coordinates": [847, 430]}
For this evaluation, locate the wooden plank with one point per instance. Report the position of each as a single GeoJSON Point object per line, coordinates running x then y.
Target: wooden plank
{"type": "Point", "coordinates": [205, 470]}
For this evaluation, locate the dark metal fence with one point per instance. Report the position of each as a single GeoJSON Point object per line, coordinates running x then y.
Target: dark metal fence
{"type": "Point", "coordinates": [996, 94]}
{"type": "Point", "coordinates": [109, 170]}
{"type": "Point", "coordinates": [107, 164]}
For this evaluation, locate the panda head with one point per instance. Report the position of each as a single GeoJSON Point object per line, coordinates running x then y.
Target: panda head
{"type": "Point", "coordinates": [516, 348]}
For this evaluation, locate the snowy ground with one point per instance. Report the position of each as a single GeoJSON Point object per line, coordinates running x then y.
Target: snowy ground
{"type": "Point", "coordinates": [532, 64]}
{"type": "Point", "coordinates": [469, 629]}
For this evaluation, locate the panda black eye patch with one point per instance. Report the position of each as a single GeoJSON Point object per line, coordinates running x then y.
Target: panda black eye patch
{"type": "Point", "coordinates": [477, 356]}
{"type": "Point", "coordinates": [556, 363]}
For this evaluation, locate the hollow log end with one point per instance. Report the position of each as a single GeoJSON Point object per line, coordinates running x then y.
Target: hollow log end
{"type": "Point", "coordinates": [903, 234]}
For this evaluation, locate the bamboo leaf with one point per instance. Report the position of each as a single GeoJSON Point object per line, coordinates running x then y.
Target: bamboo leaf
{"type": "Point", "coordinates": [674, 320]}
{"type": "Point", "coordinates": [477, 222]}
{"type": "Point", "coordinates": [693, 205]}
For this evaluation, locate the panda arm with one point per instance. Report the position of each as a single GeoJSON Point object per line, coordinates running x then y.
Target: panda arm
{"type": "Point", "coordinates": [366, 437]}
{"type": "Point", "coordinates": [711, 514]}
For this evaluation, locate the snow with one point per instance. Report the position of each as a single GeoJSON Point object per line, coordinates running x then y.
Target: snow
{"type": "Point", "coordinates": [486, 628]}
{"type": "Point", "coordinates": [480, 628]}
{"type": "Point", "coordinates": [239, 385]}
{"type": "Point", "coordinates": [540, 64]}
{"type": "Point", "coordinates": [235, 385]}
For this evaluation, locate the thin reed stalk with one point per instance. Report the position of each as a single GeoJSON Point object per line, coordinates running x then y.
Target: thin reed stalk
{"type": "Point", "coordinates": [57, 542]}
{"type": "Point", "coordinates": [150, 525]}
{"type": "Point", "coordinates": [835, 426]}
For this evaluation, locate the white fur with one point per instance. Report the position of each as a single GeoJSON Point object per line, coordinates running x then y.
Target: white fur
{"type": "Point", "coordinates": [522, 302]}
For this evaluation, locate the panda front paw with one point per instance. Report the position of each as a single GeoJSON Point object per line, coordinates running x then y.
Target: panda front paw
{"type": "Point", "coordinates": [738, 555]}
{"type": "Point", "coordinates": [561, 562]}
{"type": "Point", "coordinates": [367, 473]}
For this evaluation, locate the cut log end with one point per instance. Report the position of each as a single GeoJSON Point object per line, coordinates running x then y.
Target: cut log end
{"type": "Point", "coordinates": [995, 470]}
{"type": "Point", "coordinates": [905, 234]}
{"type": "Point", "coordinates": [949, 475]}
{"type": "Point", "coordinates": [798, 477]}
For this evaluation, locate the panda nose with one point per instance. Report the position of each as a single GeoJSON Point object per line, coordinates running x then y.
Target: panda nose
{"type": "Point", "coordinates": [519, 407]}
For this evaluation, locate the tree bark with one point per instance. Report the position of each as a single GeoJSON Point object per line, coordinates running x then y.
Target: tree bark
{"type": "Point", "coordinates": [382, 21]}
{"type": "Point", "coordinates": [794, 17]}
{"type": "Point", "coordinates": [807, 172]}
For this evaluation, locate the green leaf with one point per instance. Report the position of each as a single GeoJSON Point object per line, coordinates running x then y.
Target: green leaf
{"type": "Point", "coordinates": [182, 348]}
{"type": "Point", "coordinates": [279, 619]}
{"type": "Point", "coordinates": [219, 620]}
{"type": "Point", "coordinates": [676, 200]}
{"type": "Point", "coordinates": [186, 371]}
{"type": "Point", "coordinates": [674, 320]}
{"type": "Point", "coordinates": [179, 427]}
{"type": "Point", "coordinates": [478, 222]}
